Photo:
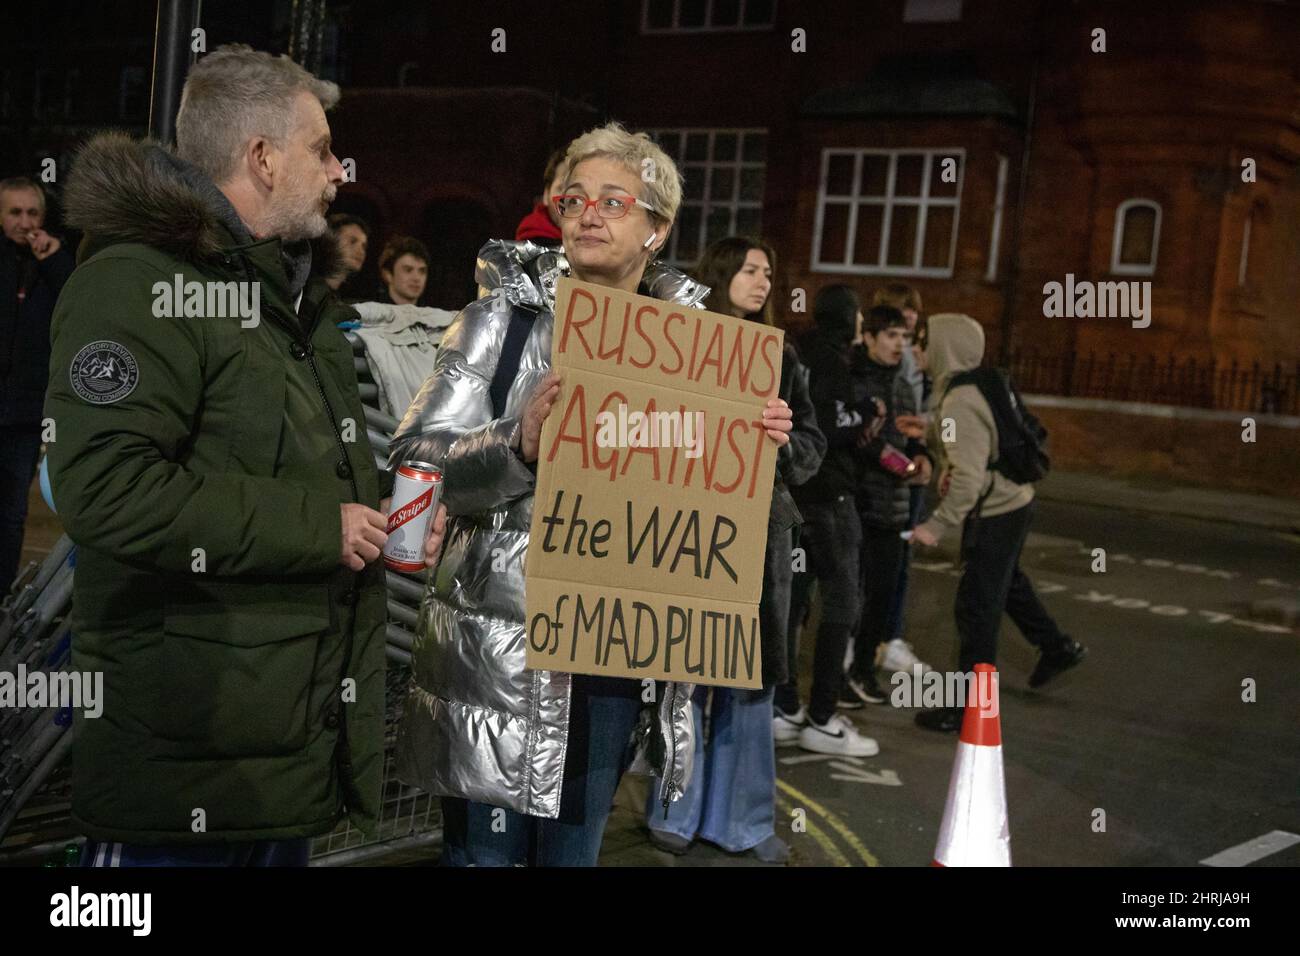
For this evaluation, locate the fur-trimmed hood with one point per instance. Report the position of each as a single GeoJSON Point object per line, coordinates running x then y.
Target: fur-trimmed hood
{"type": "Point", "coordinates": [122, 190]}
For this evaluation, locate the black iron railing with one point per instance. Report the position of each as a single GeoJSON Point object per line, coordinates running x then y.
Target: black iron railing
{"type": "Point", "coordinates": [1256, 388]}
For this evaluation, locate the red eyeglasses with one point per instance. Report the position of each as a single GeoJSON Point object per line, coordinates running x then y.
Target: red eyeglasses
{"type": "Point", "coordinates": [607, 207]}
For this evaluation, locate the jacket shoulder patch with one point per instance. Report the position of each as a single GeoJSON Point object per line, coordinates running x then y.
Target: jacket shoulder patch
{"type": "Point", "coordinates": [104, 372]}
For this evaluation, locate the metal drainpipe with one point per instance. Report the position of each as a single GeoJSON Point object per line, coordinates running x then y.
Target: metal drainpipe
{"type": "Point", "coordinates": [1013, 277]}
{"type": "Point", "coordinates": [172, 59]}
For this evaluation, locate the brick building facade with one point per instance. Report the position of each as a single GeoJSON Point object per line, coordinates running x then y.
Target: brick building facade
{"type": "Point", "coordinates": [977, 148]}
{"type": "Point", "coordinates": [826, 126]}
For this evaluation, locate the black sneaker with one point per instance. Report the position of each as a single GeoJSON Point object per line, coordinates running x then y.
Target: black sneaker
{"type": "Point", "coordinates": [863, 688]}
{"type": "Point", "coordinates": [848, 700]}
{"type": "Point", "coordinates": [1053, 665]}
{"type": "Point", "coordinates": [945, 720]}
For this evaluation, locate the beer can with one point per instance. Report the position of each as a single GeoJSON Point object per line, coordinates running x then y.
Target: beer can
{"type": "Point", "coordinates": [416, 492]}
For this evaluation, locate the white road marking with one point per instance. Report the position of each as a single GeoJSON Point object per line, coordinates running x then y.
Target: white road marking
{"type": "Point", "coordinates": [886, 778]}
{"type": "Point", "coordinates": [1093, 596]}
{"type": "Point", "coordinates": [806, 758]}
{"type": "Point", "coordinates": [1246, 853]}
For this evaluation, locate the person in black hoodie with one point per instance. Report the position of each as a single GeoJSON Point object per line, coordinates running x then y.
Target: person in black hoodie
{"type": "Point", "coordinates": [893, 464]}
{"type": "Point", "coordinates": [832, 533]}
{"type": "Point", "coordinates": [33, 268]}
{"type": "Point", "coordinates": [731, 799]}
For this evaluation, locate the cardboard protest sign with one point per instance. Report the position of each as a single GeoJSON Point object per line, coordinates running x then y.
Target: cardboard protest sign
{"type": "Point", "coordinates": [654, 480]}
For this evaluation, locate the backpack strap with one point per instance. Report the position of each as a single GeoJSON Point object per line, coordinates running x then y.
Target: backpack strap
{"type": "Point", "coordinates": [512, 350]}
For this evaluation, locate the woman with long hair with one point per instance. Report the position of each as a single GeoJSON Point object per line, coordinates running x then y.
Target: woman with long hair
{"type": "Point", "coordinates": [731, 799]}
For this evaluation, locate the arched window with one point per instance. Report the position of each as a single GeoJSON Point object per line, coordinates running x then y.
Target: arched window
{"type": "Point", "coordinates": [1137, 238]}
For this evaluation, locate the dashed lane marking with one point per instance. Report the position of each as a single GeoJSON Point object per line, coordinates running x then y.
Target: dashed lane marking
{"type": "Point", "coordinates": [1246, 853]}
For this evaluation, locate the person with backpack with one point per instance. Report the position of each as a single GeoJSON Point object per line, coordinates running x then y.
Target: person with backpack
{"type": "Point", "coordinates": [990, 451]}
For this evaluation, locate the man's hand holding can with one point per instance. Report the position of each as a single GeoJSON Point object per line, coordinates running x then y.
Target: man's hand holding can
{"type": "Point", "coordinates": [363, 535]}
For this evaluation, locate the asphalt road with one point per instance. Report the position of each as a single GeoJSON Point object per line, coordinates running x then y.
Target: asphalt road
{"type": "Point", "coordinates": [1151, 729]}
{"type": "Point", "coordinates": [1151, 735]}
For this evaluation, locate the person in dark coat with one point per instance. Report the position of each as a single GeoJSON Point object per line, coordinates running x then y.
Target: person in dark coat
{"type": "Point", "coordinates": [33, 268]}
{"type": "Point", "coordinates": [228, 520]}
{"type": "Point", "coordinates": [731, 799]}
{"type": "Point", "coordinates": [893, 465]}
{"type": "Point", "coordinates": [831, 534]}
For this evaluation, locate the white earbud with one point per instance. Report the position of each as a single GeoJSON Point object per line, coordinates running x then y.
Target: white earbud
{"type": "Point", "coordinates": [646, 244]}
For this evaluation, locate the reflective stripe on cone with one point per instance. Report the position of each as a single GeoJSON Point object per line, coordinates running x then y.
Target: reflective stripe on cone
{"type": "Point", "coordinates": [974, 831]}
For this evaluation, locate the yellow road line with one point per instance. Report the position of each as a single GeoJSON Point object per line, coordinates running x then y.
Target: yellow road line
{"type": "Point", "coordinates": [836, 823]}
{"type": "Point", "coordinates": [820, 836]}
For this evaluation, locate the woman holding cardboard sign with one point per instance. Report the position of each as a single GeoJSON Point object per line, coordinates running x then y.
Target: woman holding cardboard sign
{"type": "Point", "coordinates": [731, 797]}
{"type": "Point", "coordinates": [528, 761]}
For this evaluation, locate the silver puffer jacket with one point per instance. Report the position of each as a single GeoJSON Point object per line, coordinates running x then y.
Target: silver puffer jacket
{"type": "Point", "coordinates": [478, 723]}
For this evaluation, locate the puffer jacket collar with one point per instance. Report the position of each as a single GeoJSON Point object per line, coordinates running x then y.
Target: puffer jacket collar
{"type": "Point", "coordinates": [527, 272]}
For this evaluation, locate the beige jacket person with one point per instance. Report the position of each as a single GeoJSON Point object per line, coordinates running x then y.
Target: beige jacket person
{"type": "Point", "coordinates": [961, 415]}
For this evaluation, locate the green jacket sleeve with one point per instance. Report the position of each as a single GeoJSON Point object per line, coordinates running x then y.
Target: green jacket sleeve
{"type": "Point", "coordinates": [116, 466]}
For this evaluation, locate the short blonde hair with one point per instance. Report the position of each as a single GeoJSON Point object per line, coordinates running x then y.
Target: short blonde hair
{"type": "Point", "coordinates": [639, 153]}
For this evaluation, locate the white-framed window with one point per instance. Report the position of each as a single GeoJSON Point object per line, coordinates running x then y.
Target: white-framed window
{"type": "Point", "coordinates": [1137, 238]}
{"type": "Point", "coordinates": [722, 193]}
{"type": "Point", "coordinates": [889, 211]}
{"type": "Point", "coordinates": [995, 231]}
{"type": "Point", "coordinates": [700, 16]}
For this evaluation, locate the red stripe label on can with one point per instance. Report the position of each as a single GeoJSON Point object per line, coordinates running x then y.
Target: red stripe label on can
{"type": "Point", "coordinates": [409, 511]}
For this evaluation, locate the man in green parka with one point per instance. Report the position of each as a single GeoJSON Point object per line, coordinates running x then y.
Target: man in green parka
{"type": "Point", "coordinates": [211, 463]}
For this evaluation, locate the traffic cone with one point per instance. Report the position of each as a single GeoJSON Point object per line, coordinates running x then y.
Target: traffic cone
{"type": "Point", "coordinates": [974, 831]}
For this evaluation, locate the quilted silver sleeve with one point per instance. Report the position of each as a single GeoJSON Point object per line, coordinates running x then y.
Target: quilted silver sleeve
{"type": "Point", "coordinates": [450, 423]}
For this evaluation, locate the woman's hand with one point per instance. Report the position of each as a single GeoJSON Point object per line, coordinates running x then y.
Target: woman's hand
{"type": "Point", "coordinates": [778, 420]}
{"type": "Point", "coordinates": [539, 406]}
{"type": "Point", "coordinates": [433, 540]}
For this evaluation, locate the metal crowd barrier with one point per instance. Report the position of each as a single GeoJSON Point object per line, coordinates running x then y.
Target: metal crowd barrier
{"type": "Point", "coordinates": [35, 742]}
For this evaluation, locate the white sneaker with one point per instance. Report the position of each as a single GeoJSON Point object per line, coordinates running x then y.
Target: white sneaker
{"type": "Point", "coordinates": [837, 736]}
{"type": "Point", "coordinates": [786, 727]}
{"type": "Point", "coordinates": [899, 656]}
